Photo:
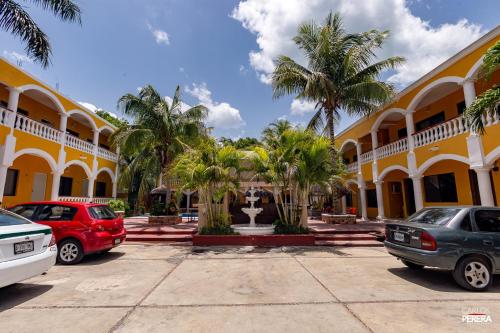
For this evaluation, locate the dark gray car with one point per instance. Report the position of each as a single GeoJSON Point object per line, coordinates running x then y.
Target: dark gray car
{"type": "Point", "coordinates": [464, 240]}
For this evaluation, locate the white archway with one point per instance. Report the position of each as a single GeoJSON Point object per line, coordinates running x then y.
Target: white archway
{"type": "Point", "coordinates": [492, 156]}
{"type": "Point", "coordinates": [392, 168]}
{"type": "Point", "coordinates": [441, 157]}
{"type": "Point", "coordinates": [346, 142]}
{"type": "Point", "coordinates": [384, 115]}
{"type": "Point", "coordinates": [39, 153]}
{"type": "Point", "coordinates": [106, 128]}
{"type": "Point", "coordinates": [108, 170]}
{"type": "Point", "coordinates": [84, 166]}
{"type": "Point", "coordinates": [474, 69]}
{"type": "Point", "coordinates": [352, 182]}
{"type": "Point", "coordinates": [86, 116]}
{"type": "Point", "coordinates": [423, 92]}
{"type": "Point", "coordinates": [44, 91]}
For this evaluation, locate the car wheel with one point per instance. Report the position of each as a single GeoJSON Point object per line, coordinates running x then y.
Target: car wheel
{"type": "Point", "coordinates": [473, 273]}
{"type": "Point", "coordinates": [70, 252]}
{"type": "Point", "coordinates": [411, 265]}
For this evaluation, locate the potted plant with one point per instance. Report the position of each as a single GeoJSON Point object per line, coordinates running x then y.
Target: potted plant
{"type": "Point", "coordinates": [118, 206]}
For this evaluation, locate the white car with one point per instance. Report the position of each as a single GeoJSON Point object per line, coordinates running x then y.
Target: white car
{"type": "Point", "coordinates": [27, 249]}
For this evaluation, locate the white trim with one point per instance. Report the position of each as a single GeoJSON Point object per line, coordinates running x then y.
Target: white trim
{"type": "Point", "coordinates": [474, 69]}
{"type": "Point", "coordinates": [384, 115]}
{"type": "Point", "coordinates": [44, 91]}
{"type": "Point", "coordinates": [492, 156]}
{"type": "Point", "coordinates": [341, 149]}
{"type": "Point", "coordinates": [85, 115]}
{"type": "Point", "coordinates": [455, 58]}
{"type": "Point", "coordinates": [421, 94]}
{"type": "Point", "coordinates": [59, 93]}
{"type": "Point", "coordinates": [108, 170]}
{"type": "Point", "coordinates": [352, 181]}
{"type": "Point", "coordinates": [392, 168]}
{"type": "Point", "coordinates": [39, 153]}
{"type": "Point", "coordinates": [441, 157]}
{"type": "Point", "coordinates": [83, 165]}
{"type": "Point", "coordinates": [105, 127]}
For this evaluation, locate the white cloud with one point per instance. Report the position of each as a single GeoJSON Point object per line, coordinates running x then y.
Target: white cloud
{"type": "Point", "coordinates": [161, 37]}
{"type": "Point", "coordinates": [94, 108]}
{"type": "Point", "coordinates": [181, 69]}
{"type": "Point", "coordinates": [300, 107]}
{"type": "Point", "coordinates": [17, 57]}
{"type": "Point", "coordinates": [424, 46]}
{"type": "Point", "coordinates": [184, 106]}
{"type": "Point", "coordinates": [220, 114]}
{"type": "Point", "coordinates": [243, 70]}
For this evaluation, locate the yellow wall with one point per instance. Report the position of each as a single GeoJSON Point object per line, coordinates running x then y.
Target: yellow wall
{"type": "Point", "coordinates": [104, 177]}
{"type": "Point", "coordinates": [27, 166]}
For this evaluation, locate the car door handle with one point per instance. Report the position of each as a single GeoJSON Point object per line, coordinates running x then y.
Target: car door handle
{"type": "Point", "coordinates": [488, 242]}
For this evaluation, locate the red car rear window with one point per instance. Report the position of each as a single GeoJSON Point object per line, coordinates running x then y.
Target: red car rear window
{"type": "Point", "coordinates": [102, 212]}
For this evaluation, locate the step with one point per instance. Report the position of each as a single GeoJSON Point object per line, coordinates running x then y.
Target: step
{"type": "Point", "coordinates": [344, 237]}
{"type": "Point", "coordinates": [159, 238]}
{"type": "Point", "coordinates": [364, 243]}
{"type": "Point", "coordinates": [133, 242]}
{"type": "Point", "coordinates": [159, 231]}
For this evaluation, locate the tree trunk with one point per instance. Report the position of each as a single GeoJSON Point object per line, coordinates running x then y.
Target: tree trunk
{"type": "Point", "coordinates": [303, 215]}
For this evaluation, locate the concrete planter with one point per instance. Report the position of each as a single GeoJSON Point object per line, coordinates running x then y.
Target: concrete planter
{"type": "Point", "coordinates": [165, 219]}
{"type": "Point", "coordinates": [338, 219]}
{"type": "Point", "coordinates": [254, 240]}
{"type": "Point", "coordinates": [120, 213]}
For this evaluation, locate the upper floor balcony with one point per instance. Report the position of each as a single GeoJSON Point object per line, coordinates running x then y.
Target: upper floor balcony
{"type": "Point", "coordinates": [48, 132]}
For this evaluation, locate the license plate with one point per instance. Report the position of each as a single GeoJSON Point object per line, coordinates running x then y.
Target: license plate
{"type": "Point", "coordinates": [117, 241]}
{"type": "Point", "coordinates": [24, 247]}
{"type": "Point", "coordinates": [398, 236]}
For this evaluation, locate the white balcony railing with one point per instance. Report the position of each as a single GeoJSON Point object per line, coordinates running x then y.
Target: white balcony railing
{"type": "Point", "coordinates": [451, 128]}
{"type": "Point", "coordinates": [5, 115]}
{"type": "Point", "coordinates": [31, 126]}
{"type": "Point", "coordinates": [106, 154]}
{"type": "Point", "coordinates": [392, 148]}
{"type": "Point", "coordinates": [352, 167]}
{"type": "Point", "coordinates": [86, 199]}
{"type": "Point", "coordinates": [74, 142]}
{"type": "Point", "coordinates": [366, 157]}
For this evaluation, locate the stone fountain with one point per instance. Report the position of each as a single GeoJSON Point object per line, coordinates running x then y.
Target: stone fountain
{"type": "Point", "coordinates": [252, 212]}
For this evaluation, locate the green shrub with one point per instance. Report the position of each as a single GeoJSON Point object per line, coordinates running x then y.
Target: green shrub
{"type": "Point", "coordinates": [283, 228]}
{"type": "Point", "coordinates": [218, 230]}
{"type": "Point", "coordinates": [158, 209]}
{"type": "Point", "coordinates": [117, 205]}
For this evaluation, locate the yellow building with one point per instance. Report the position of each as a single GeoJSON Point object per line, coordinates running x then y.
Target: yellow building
{"type": "Point", "coordinates": [418, 151]}
{"type": "Point", "coordinates": [52, 148]}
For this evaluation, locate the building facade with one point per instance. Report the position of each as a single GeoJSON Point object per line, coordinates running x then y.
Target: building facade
{"type": "Point", "coordinates": [418, 150]}
{"type": "Point", "coordinates": [51, 148]}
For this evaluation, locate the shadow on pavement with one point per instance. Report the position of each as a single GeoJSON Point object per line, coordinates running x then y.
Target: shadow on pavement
{"type": "Point", "coordinates": [100, 258]}
{"type": "Point", "coordinates": [19, 293]}
{"type": "Point", "coordinates": [435, 279]}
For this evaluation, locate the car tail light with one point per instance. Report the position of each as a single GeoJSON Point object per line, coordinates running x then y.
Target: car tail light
{"type": "Point", "coordinates": [427, 241]}
{"type": "Point", "coordinates": [52, 241]}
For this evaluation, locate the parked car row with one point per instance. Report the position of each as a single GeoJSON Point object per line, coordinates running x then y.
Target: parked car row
{"type": "Point", "coordinates": [34, 235]}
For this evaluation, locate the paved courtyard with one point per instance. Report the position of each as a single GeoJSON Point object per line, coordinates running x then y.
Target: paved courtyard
{"type": "Point", "coordinates": [155, 288]}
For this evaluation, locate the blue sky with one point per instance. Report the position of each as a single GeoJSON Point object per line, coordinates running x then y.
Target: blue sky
{"type": "Point", "coordinates": [220, 52]}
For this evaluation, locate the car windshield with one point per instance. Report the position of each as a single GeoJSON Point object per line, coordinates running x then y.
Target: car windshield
{"type": "Point", "coordinates": [438, 216]}
{"type": "Point", "coordinates": [7, 219]}
{"type": "Point", "coordinates": [102, 212]}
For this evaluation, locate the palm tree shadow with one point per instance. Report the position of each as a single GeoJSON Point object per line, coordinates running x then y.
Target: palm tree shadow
{"type": "Point", "coordinates": [100, 258]}
{"type": "Point", "coordinates": [20, 293]}
{"type": "Point", "coordinates": [435, 279]}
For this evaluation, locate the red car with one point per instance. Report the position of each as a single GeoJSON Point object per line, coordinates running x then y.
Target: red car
{"type": "Point", "coordinates": [79, 228]}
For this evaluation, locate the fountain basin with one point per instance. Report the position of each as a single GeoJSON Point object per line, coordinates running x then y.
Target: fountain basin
{"type": "Point", "coordinates": [257, 229]}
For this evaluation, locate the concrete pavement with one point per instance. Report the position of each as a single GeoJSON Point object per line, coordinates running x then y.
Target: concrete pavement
{"type": "Point", "coordinates": [155, 288]}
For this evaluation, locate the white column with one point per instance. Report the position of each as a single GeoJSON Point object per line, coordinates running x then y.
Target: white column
{"type": "Point", "coordinates": [358, 152]}
{"type": "Point", "coordinates": [114, 189]}
{"type": "Point", "coordinates": [485, 190]}
{"type": "Point", "coordinates": [95, 141]}
{"type": "Point", "coordinates": [344, 204]}
{"type": "Point", "coordinates": [56, 180]}
{"type": "Point", "coordinates": [380, 200]}
{"type": "Point", "coordinates": [362, 196]}
{"type": "Point", "coordinates": [469, 91]}
{"type": "Point", "coordinates": [374, 142]}
{"type": "Point", "coordinates": [90, 188]}
{"type": "Point", "coordinates": [410, 130]}
{"type": "Point", "coordinates": [375, 158]}
{"type": "Point", "coordinates": [417, 192]}
{"type": "Point", "coordinates": [6, 160]}
{"type": "Point", "coordinates": [12, 106]}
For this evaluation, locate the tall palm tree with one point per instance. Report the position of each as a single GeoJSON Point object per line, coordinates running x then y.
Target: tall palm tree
{"type": "Point", "coordinates": [340, 72]}
{"type": "Point", "coordinates": [488, 100]}
{"type": "Point", "coordinates": [157, 134]}
{"type": "Point", "coordinates": [14, 19]}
